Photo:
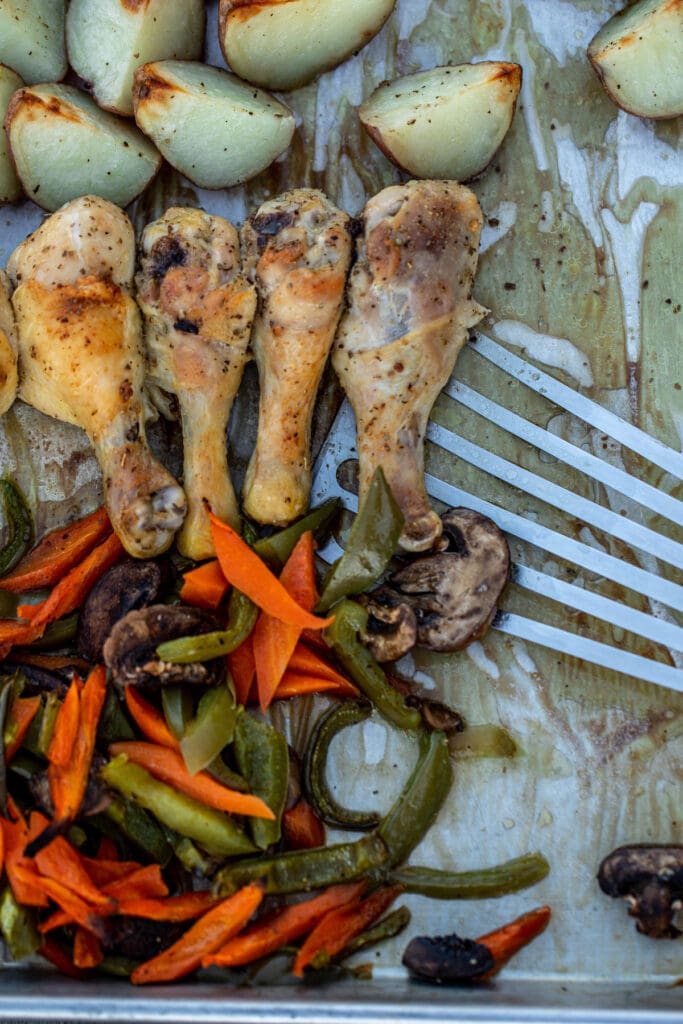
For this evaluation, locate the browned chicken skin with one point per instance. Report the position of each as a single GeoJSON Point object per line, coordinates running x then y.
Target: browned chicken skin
{"type": "Point", "coordinates": [297, 250]}
{"type": "Point", "coordinates": [80, 350]}
{"type": "Point", "coordinates": [409, 310]}
{"type": "Point", "coordinates": [199, 309]}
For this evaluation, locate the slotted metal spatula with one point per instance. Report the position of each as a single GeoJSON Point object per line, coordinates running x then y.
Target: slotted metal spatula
{"type": "Point", "coordinates": [664, 596]}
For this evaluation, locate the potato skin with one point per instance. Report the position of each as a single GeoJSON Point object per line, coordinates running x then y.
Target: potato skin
{"type": "Point", "coordinates": [10, 186]}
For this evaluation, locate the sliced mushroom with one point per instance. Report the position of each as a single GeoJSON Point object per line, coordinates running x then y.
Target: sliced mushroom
{"type": "Point", "coordinates": [438, 716]}
{"type": "Point", "coordinates": [446, 958]}
{"type": "Point", "coordinates": [130, 651]}
{"type": "Point", "coordinates": [455, 592]}
{"type": "Point", "coordinates": [392, 625]}
{"type": "Point", "coordinates": [650, 879]}
{"type": "Point", "coordinates": [128, 585]}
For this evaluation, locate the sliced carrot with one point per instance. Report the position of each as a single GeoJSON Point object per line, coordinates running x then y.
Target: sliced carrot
{"type": "Point", "coordinates": [307, 662]}
{"type": "Point", "coordinates": [102, 872]}
{"type": "Point", "coordinates": [294, 685]}
{"type": "Point", "coordinates": [204, 937]}
{"type": "Point", "coordinates": [143, 883]}
{"type": "Point", "coordinates": [205, 586]}
{"type": "Point", "coordinates": [107, 849]}
{"type": "Point", "coordinates": [58, 552]}
{"type": "Point", "coordinates": [506, 941]}
{"type": "Point", "coordinates": [60, 861]}
{"type": "Point", "coordinates": [51, 662]}
{"type": "Point", "coordinates": [242, 667]}
{"type": "Point", "coordinates": [68, 783]}
{"type": "Point", "coordinates": [53, 952]}
{"type": "Point", "coordinates": [169, 766]}
{"type": "Point", "coordinates": [339, 927]}
{"type": "Point", "coordinates": [245, 570]}
{"type": "Point", "coordinates": [283, 927]}
{"type": "Point", "coordinates": [302, 828]}
{"type": "Point", "coordinates": [29, 611]}
{"type": "Point", "coordinates": [149, 721]}
{"type": "Point", "coordinates": [298, 574]}
{"type": "Point", "coordinates": [16, 835]}
{"type": "Point", "coordinates": [60, 750]}
{"type": "Point", "coordinates": [21, 713]}
{"type": "Point", "coordinates": [71, 591]}
{"type": "Point", "coordinates": [77, 909]}
{"type": "Point", "coordinates": [87, 949]}
{"type": "Point", "coordinates": [175, 908]}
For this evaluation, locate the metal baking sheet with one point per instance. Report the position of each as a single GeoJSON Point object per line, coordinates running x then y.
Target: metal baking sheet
{"type": "Point", "coordinates": [580, 268]}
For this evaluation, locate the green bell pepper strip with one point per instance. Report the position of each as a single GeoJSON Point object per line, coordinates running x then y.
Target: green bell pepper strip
{"type": "Point", "coordinates": [18, 926]}
{"type": "Point", "coordinates": [225, 775]}
{"type": "Point", "coordinates": [20, 524]}
{"type": "Point", "coordinates": [176, 703]}
{"type": "Point", "coordinates": [483, 884]}
{"type": "Point", "coordinates": [118, 966]}
{"type": "Point", "coordinates": [214, 831]}
{"type": "Point", "coordinates": [315, 761]}
{"type": "Point", "coordinates": [370, 546]}
{"type": "Point", "coordinates": [57, 634]}
{"type": "Point", "coordinates": [303, 870]}
{"type": "Point", "coordinates": [123, 818]}
{"type": "Point", "coordinates": [342, 636]}
{"type": "Point", "coordinates": [262, 757]}
{"type": "Point", "coordinates": [211, 730]}
{"type": "Point", "coordinates": [242, 616]}
{"type": "Point", "coordinates": [6, 690]}
{"type": "Point", "coordinates": [113, 724]}
{"type": "Point", "coordinates": [388, 928]}
{"type": "Point", "coordinates": [276, 550]}
{"type": "Point", "coordinates": [420, 801]}
{"type": "Point", "coordinates": [191, 857]}
{"type": "Point", "coordinates": [37, 739]}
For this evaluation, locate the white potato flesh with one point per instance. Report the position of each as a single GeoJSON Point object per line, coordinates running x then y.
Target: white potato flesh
{"type": "Point", "coordinates": [447, 122]}
{"type": "Point", "coordinates": [211, 126]}
{"type": "Point", "coordinates": [638, 57]}
{"type": "Point", "coordinates": [285, 45]}
{"type": "Point", "coordinates": [32, 39]}
{"type": "Point", "coordinates": [8, 346]}
{"type": "Point", "coordinates": [64, 146]}
{"type": "Point", "coordinates": [10, 186]}
{"type": "Point", "coordinates": [108, 39]}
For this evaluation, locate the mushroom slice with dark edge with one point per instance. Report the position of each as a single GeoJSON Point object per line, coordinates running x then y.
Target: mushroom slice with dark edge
{"type": "Point", "coordinates": [455, 592]}
{"type": "Point", "coordinates": [128, 585]}
{"type": "Point", "coordinates": [130, 651]}
{"type": "Point", "coordinates": [650, 879]}
{"type": "Point", "coordinates": [446, 958]}
{"type": "Point", "coordinates": [392, 625]}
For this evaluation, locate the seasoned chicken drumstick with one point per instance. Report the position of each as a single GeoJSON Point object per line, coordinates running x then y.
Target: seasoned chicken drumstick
{"type": "Point", "coordinates": [297, 249]}
{"type": "Point", "coordinates": [8, 346]}
{"type": "Point", "coordinates": [409, 311]}
{"type": "Point", "coordinates": [80, 353]}
{"type": "Point", "coordinates": [199, 310]}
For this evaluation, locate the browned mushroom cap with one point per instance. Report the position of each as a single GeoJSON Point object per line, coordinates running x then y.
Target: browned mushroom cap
{"type": "Point", "coordinates": [392, 625]}
{"type": "Point", "coordinates": [130, 651]}
{"type": "Point", "coordinates": [128, 585]}
{"type": "Point", "coordinates": [650, 878]}
{"type": "Point", "coordinates": [454, 593]}
{"type": "Point", "coordinates": [446, 958]}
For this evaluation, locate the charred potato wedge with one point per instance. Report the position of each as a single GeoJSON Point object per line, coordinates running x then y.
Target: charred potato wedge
{"type": "Point", "coordinates": [108, 39]}
{"type": "Point", "coordinates": [285, 45]}
{"type": "Point", "coordinates": [64, 146]}
{"type": "Point", "coordinates": [10, 186]}
{"type": "Point", "coordinates": [32, 39]}
{"type": "Point", "coordinates": [638, 57]}
{"type": "Point", "coordinates": [211, 126]}
{"type": "Point", "coordinates": [447, 122]}
{"type": "Point", "coordinates": [8, 346]}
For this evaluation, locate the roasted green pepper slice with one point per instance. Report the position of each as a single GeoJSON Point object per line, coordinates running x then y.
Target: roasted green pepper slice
{"type": "Point", "coordinates": [482, 884]}
{"type": "Point", "coordinates": [20, 526]}
{"type": "Point", "coordinates": [178, 708]}
{"type": "Point", "coordinates": [262, 757]}
{"type": "Point", "coordinates": [342, 636]}
{"type": "Point", "coordinates": [242, 616]}
{"type": "Point", "coordinates": [57, 634]}
{"type": "Point", "coordinates": [18, 926]}
{"type": "Point", "coordinates": [125, 818]}
{"type": "Point", "coordinates": [276, 550]}
{"type": "Point", "coordinates": [370, 546]}
{"type": "Point", "coordinates": [315, 763]}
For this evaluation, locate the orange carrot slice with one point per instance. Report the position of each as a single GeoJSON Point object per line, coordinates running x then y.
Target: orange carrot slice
{"type": "Point", "coordinates": [71, 591]}
{"type": "Point", "coordinates": [61, 862]}
{"type": "Point", "coordinates": [506, 941]}
{"type": "Point", "coordinates": [143, 883]}
{"type": "Point", "coordinates": [16, 835]}
{"type": "Point", "coordinates": [205, 586]}
{"type": "Point", "coordinates": [302, 828]}
{"type": "Point", "coordinates": [242, 667]}
{"type": "Point", "coordinates": [295, 685]}
{"type": "Point", "coordinates": [21, 713]}
{"type": "Point", "coordinates": [149, 720]}
{"type": "Point", "coordinates": [169, 766]}
{"type": "Point", "coordinates": [283, 927]}
{"type": "Point", "coordinates": [58, 552]}
{"type": "Point", "coordinates": [245, 570]}
{"type": "Point", "coordinates": [175, 908]}
{"type": "Point", "coordinates": [53, 952]}
{"type": "Point", "coordinates": [87, 949]}
{"type": "Point", "coordinates": [207, 935]}
{"type": "Point", "coordinates": [60, 750]}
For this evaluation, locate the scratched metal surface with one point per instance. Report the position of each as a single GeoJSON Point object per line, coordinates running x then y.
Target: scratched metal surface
{"type": "Point", "coordinates": [580, 266]}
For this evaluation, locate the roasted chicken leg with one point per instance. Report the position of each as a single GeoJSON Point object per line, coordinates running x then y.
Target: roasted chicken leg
{"type": "Point", "coordinates": [298, 250]}
{"type": "Point", "coordinates": [81, 359]}
{"type": "Point", "coordinates": [8, 346]}
{"type": "Point", "coordinates": [409, 310]}
{"type": "Point", "coordinates": [199, 309]}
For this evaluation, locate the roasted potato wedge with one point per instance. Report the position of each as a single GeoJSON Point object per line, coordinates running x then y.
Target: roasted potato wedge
{"type": "Point", "coordinates": [64, 146]}
{"type": "Point", "coordinates": [285, 45]}
{"type": "Point", "coordinates": [32, 39]}
{"type": "Point", "coordinates": [638, 57]}
{"type": "Point", "coordinates": [10, 186]}
{"type": "Point", "coordinates": [8, 346]}
{"type": "Point", "coordinates": [447, 122]}
{"type": "Point", "coordinates": [108, 39]}
{"type": "Point", "coordinates": [211, 126]}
